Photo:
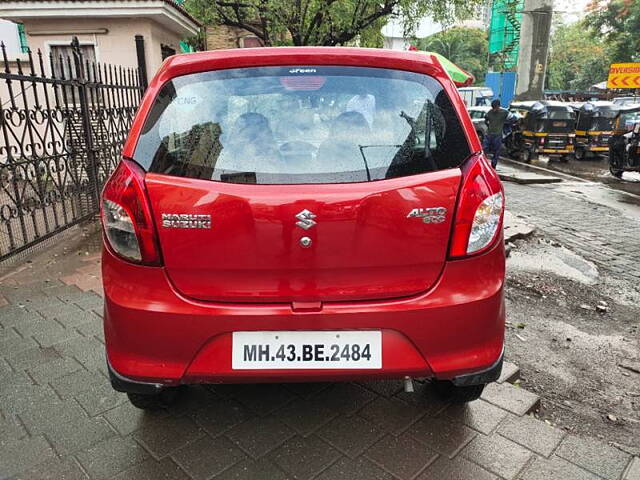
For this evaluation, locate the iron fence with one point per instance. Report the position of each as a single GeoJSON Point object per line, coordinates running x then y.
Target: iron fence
{"type": "Point", "coordinates": [63, 122]}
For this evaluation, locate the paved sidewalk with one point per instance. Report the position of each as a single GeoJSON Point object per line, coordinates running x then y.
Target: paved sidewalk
{"type": "Point", "coordinates": [608, 238]}
{"type": "Point", "coordinates": [59, 418]}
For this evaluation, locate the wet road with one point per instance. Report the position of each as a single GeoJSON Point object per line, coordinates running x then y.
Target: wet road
{"type": "Point", "coordinates": [595, 170]}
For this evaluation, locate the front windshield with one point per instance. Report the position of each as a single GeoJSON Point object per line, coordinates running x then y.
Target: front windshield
{"type": "Point", "coordinates": [301, 125]}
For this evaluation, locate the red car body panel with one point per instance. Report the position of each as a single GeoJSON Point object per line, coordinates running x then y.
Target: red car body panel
{"type": "Point", "coordinates": [369, 268]}
{"type": "Point", "coordinates": [153, 333]}
{"type": "Point", "coordinates": [364, 247]}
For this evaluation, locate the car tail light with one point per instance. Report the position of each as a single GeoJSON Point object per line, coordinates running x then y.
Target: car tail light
{"type": "Point", "coordinates": [480, 210]}
{"type": "Point", "coordinates": [126, 217]}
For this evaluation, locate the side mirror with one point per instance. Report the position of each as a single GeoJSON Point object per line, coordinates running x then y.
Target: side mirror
{"type": "Point", "coordinates": [636, 129]}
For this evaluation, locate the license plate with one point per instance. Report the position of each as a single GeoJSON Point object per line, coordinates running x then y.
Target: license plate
{"type": "Point", "coordinates": [307, 350]}
{"type": "Point", "coordinates": [559, 124]}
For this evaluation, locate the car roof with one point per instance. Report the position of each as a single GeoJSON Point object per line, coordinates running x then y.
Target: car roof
{"type": "Point", "coordinates": [187, 63]}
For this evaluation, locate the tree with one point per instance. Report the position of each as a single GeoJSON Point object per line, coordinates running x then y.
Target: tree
{"type": "Point", "coordinates": [578, 58]}
{"type": "Point", "coordinates": [619, 22]}
{"type": "Point", "coordinates": [323, 22]}
{"type": "Point", "coordinates": [466, 47]}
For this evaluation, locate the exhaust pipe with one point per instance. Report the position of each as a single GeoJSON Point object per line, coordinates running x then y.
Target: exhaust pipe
{"type": "Point", "coordinates": [408, 385]}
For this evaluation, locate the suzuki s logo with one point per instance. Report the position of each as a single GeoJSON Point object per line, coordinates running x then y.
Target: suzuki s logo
{"type": "Point", "coordinates": [306, 219]}
{"type": "Point", "coordinates": [429, 215]}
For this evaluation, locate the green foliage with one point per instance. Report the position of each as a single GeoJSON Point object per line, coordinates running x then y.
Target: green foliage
{"type": "Point", "coordinates": [324, 22]}
{"type": "Point", "coordinates": [466, 47]}
{"type": "Point", "coordinates": [578, 58]}
{"type": "Point", "coordinates": [618, 21]}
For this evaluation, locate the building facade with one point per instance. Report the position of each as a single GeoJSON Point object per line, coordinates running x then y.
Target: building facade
{"type": "Point", "coordinates": [107, 29]}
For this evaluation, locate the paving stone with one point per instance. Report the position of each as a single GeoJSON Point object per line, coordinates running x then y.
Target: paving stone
{"type": "Point", "coordinates": [594, 455]}
{"type": "Point", "coordinates": [32, 357]}
{"type": "Point", "coordinates": [35, 325]}
{"type": "Point", "coordinates": [386, 388]}
{"type": "Point", "coordinates": [165, 469]}
{"type": "Point", "coordinates": [82, 349]}
{"type": "Point", "coordinates": [633, 470]}
{"type": "Point", "coordinates": [54, 335]}
{"type": "Point", "coordinates": [345, 398]}
{"type": "Point", "coordinates": [304, 457]}
{"type": "Point", "coordinates": [11, 429]}
{"type": "Point", "coordinates": [351, 435]}
{"type": "Point", "coordinates": [54, 413]}
{"type": "Point", "coordinates": [306, 389]}
{"type": "Point", "coordinates": [77, 382]}
{"type": "Point", "coordinates": [100, 399]}
{"type": "Point", "coordinates": [358, 469]}
{"type": "Point", "coordinates": [220, 416]}
{"type": "Point", "coordinates": [264, 398]}
{"type": "Point", "coordinates": [13, 315]}
{"type": "Point", "coordinates": [77, 317]}
{"type": "Point", "coordinates": [253, 470]}
{"type": "Point", "coordinates": [18, 456]}
{"type": "Point", "coordinates": [260, 435]}
{"type": "Point", "coordinates": [510, 373]}
{"type": "Point", "coordinates": [92, 329]}
{"type": "Point", "coordinates": [112, 456]}
{"type": "Point", "coordinates": [54, 469]}
{"type": "Point", "coordinates": [49, 371]}
{"type": "Point", "coordinates": [126, 418]}
{"type": "Point", "coordinates": [14, 378]}
{"type": "Point", "coordinates": [534, 434]}
{"type": "Point", "coordinates": [391, 415]}
{"type": "Point", "coordinates": [498, 455]}
{"type": "Point", "coordinates": [479, 415]}
{"type": "Point", "coordinates": [513, 399]}
{"type": "Point", "coordinates": [424, 397]}
{"type": "Point", "coordinates": [59, 310]}
{"type": "Point", "coordinates": [207, 457]}
{"type": "Point", "coordinates": [403, 456]}
{"type": "Point", "coordinates": [443, 436]}
{"type": "Point", "coordinates": [163, 436]}
{"type": "Point", "coordinates": [192, 399]}
{"type": "Point", "coordinates": [305, 416]}
{"type": "Point", "coordinates": [16, 398]}
{"type": "Point", "coordinates": [13, 347]}
{"type": "Point", "coordinates": [455, 469]}
{"type": "Point", "coordinates": [71, 437]}
{"type": "Point", "coordinates": [555, 467]}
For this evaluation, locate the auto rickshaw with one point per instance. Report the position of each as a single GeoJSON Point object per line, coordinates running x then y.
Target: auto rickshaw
{"type": "Point", "coordinates": [546, 127]}
{"type": "Point", "coordinates": [624, 143]}
{"type": "Point", "coordinates": [594, 126]}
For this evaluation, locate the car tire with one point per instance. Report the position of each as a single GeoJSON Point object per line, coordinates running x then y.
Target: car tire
{"type": "Point", "coordinates": [447, 391]}
{"type": "Point", "coordinates": [155, 401]}
{"type": "Point", "coordinates": [616, 172]}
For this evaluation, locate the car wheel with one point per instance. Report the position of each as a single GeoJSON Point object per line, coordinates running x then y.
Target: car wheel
{"type": "Point", "coordinates": [528, 155]}
{"type": "Point", "coordinates": [451, 393]}
{"type": "Point", "coordinates": [615, 171]}
{"type": "Point", "coordinates": [156, 401]}
{"type": "Point", "coordinates": [579, 154]}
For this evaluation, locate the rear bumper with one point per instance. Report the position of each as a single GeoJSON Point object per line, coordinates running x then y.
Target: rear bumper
{"type": "Point", "coordinates": [155, 337]}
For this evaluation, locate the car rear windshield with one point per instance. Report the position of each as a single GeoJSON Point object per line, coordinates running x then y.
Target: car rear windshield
{"type": "Point", "coordinates": [291, 125]}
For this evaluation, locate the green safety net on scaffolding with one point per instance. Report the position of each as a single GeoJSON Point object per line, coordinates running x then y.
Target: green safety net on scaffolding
{"type": "Point", "coordinates": [504, 33]}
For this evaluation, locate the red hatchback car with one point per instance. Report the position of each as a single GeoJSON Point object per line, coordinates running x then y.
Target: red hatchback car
{"type": "Point", "coordinates": [302, 214]}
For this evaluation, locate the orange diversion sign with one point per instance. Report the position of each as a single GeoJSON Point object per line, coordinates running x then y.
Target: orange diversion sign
{"type": "Point", "coordinates": [624, 75]}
